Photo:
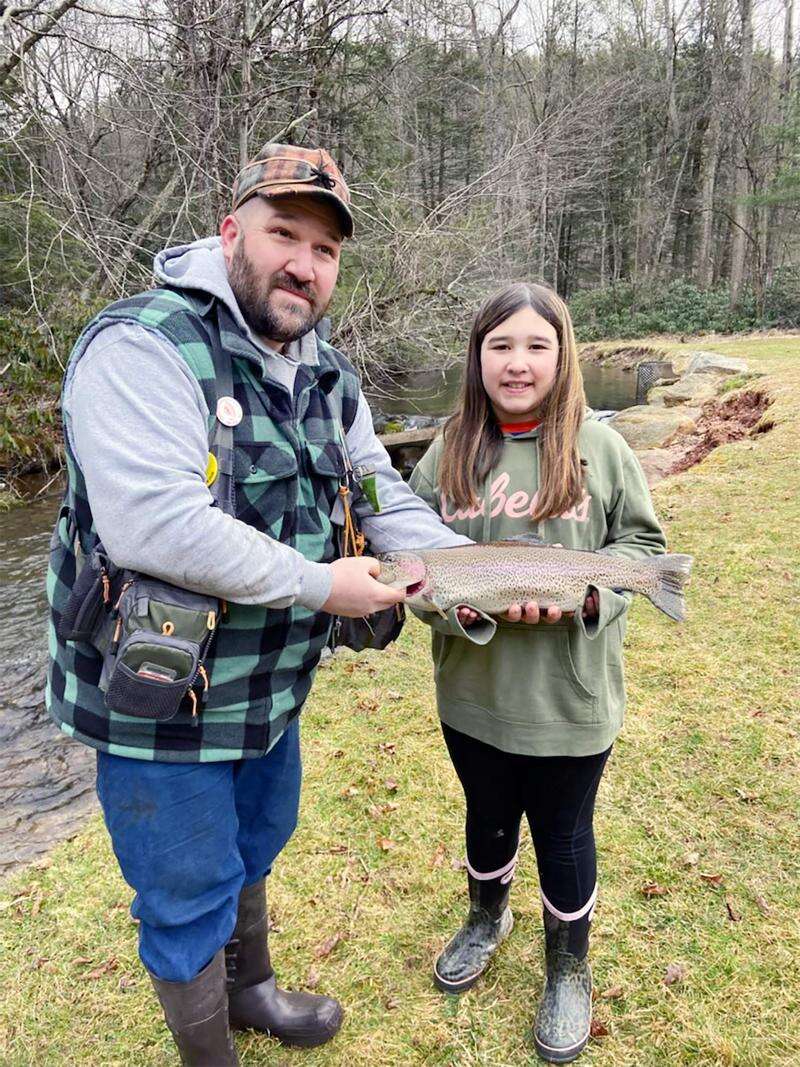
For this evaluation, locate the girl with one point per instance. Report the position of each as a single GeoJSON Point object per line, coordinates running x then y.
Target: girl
{"type": "Point", "coordinates": [529, 712]}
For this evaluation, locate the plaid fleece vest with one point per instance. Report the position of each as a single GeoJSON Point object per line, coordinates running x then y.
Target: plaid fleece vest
{"type": "Point", "coordinates": [287, 466]}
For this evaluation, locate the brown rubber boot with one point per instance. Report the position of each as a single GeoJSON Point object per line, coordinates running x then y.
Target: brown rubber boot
{"type": "Point", "coordinates": [254, 1000]}
{"type": "Point", "coordinates": [197, 1014]}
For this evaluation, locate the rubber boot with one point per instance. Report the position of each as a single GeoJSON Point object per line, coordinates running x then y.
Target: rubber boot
{"type": "Point", "coordinates": [197, 1014]}
{"type": "Point", "coordinates": [488, 922]}
{"type": "Point", "coordinates": [564, 1015]}
{"type": "Point", "coordinates": [254, 1000]}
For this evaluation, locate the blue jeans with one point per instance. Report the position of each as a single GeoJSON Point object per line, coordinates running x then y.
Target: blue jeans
{"type": "Point", "coordinates": [188, 836]}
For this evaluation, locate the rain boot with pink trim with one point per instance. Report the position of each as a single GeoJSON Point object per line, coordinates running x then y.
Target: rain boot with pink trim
{"type": "Point", "coordinates": [489, 921]}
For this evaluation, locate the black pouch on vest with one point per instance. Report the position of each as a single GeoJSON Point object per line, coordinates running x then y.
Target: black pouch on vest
{"type": "Point", "coordinates": [89, 600]}
{"type": "Point", "coordinates": [161, 637]}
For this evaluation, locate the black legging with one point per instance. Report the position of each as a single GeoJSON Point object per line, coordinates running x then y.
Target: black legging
{"type": "Point", "coordinates": [556, 794]}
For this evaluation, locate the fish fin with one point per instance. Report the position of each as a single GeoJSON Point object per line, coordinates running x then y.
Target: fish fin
{"type": "Point", "coordinates": [673, 571]}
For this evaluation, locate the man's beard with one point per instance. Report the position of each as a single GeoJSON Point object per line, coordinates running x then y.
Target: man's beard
{"type": "Point", "coordinates": [253, 297]}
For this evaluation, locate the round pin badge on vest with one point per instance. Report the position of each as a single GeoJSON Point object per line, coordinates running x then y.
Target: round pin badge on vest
{"type": "Point", "coordinates": [229, 411]}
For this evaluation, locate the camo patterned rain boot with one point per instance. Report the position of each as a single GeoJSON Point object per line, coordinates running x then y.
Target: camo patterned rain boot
{"type": "Point", "coordinates": [488, 922]}
{"type": "Point", "coordinates": [564, 1015]}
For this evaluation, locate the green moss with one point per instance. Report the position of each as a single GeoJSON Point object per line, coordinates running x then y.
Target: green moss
{"type": "Point", "coordinates": [34, 356]}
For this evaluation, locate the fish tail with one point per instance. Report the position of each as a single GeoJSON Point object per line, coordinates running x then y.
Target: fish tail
{"type": "Point", "coordinates": [673, 572]}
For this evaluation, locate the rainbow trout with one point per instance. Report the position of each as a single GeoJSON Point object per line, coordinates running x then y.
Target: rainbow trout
{"type": "Point", "coordinates": [493, 576]}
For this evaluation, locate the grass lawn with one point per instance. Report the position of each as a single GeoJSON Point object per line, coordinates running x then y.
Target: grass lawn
{"type": "Point", "coordinates": [701, 803]}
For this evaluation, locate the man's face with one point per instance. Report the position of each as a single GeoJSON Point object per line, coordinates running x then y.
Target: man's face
{"type": "Point", "coordinates": [282, 256]}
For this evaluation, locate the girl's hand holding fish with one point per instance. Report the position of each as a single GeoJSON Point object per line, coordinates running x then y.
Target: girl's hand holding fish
{"type": "Point", "coordinates": [531, 614]}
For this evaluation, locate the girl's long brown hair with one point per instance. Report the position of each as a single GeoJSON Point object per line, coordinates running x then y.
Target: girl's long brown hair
{"type": "Point", "coordinates": [472, 437]}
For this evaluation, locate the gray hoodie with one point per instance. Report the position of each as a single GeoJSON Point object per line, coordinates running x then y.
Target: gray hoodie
{"type": "Point", "coordinates": [137, 423]}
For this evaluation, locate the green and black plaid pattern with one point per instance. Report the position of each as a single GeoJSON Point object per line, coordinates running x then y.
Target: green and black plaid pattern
{"type": "Point", "coordinates": [286, 470]}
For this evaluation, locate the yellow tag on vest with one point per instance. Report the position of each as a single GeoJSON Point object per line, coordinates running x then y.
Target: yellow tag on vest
{"type": "Point", "coordinates": [212, 469]}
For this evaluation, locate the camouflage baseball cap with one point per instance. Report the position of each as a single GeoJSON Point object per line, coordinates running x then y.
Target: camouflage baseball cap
{"type": "Point", "coordinates": [286, 170]}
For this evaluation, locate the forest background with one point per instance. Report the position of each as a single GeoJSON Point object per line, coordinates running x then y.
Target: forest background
{"type": "Point", "coordinates": [642, 156]}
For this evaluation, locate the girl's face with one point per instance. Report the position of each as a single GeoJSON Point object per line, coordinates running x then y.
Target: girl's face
{"type": "Point", "coordinates": [518, 365]}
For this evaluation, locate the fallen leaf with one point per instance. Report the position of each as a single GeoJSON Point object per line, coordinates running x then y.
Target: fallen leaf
{"type": "Point", "coordinates": [394, 695]}
{"type": "Point", "coordinates": [337, 850]}
{"type": "Point", "coordinates": [312, 979]}
{"type": "Point", "coordinates": [109, 965]}
{"type": "Point", "coordinates": [326, 947]}
{"type": "Point", "coordinates": [127, 981]}
{"type": "Point", "coordinates": [691, 859]}
{"type": "Point", "coordinates": [367, 704]}
{"type": "Point", "coordinates": [614, 993]}
{"type": "Point", "coordinates": [81, 961]}
{"type": "Point", "coordinates": [762, 904]}
{"type": "Point", "coordinates": [391, 785]}
{"type": "Point", "coordinates": [744, 796]}
{"type": "Point", "coordinates": [387, 807]}
{"type": "Point", "coordinates": [393, 1003]}
{"type": "Point", "coordinates": [387, 747]}
{"type": "Point", "coordinates": [757, 713]}
{"type": "Point", "coordinates": [385, 844]}
{"type": "Point", "coordinates": [676, 972]}
{"type": "Point", "coordinates": [457, 864]}
{"type": "Point", "coordinates": [438, 856]}
{"type": "Point", "coordinates": [598, 1029]}
{"type": "Point", "coordinates": [712, 879]}
{"type": "Point", "coordinates": [733, 914]}
{"type": "Point", "coordinates": [653, 889]}
{"type": "Point", "coordinates": [338, 753]}
{"type": "Point", "coordinates": [350, 791]}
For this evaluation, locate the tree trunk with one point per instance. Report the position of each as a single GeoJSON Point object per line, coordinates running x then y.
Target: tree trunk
{"type": "Point", "coordinates": [704, 271]}
{"type": "Point", "coordinates": [741, 211]}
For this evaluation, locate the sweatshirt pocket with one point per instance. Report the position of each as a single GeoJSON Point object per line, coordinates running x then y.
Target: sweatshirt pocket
{"type": "Point", "coordinates": [523, 676]}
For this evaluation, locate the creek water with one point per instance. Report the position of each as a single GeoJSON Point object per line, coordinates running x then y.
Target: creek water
{"type": "Point", "coordinates": [47, 780]}
{"type": "Point", "coordinates": [435, 392]}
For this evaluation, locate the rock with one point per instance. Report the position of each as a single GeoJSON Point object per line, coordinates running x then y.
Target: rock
{"type": "Point", "coordinates": [711, 363]}
{"type": "Point", "coordinates": [422, 422]}
{"type": "Point", "coordinates": [647, 426]}
{"type": "Point", "coordinates": [691, 389]}
{"type": "Point", "coordinates": [656, 463]}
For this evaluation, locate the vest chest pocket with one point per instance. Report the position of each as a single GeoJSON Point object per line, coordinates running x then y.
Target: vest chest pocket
{"type": "Point", "coordinates": [327, 469]}
{"type": "Point", "coordinates": [266, 484]}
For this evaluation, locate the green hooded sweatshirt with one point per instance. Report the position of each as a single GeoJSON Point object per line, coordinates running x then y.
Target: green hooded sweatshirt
{"type": "Point", "coordinates": [551, 689]}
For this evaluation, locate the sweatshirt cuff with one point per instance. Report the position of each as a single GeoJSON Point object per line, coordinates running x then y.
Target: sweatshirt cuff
{"type": "Point", "coordinates": [612, 605]}
{"type": "Point", "coordinates": [315, 585]}
{"type": "Point", "coordinates": [479, 632]}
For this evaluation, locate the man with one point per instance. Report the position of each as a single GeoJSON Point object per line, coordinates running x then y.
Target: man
{"type": "Point", "coordinates": [199, 808]}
